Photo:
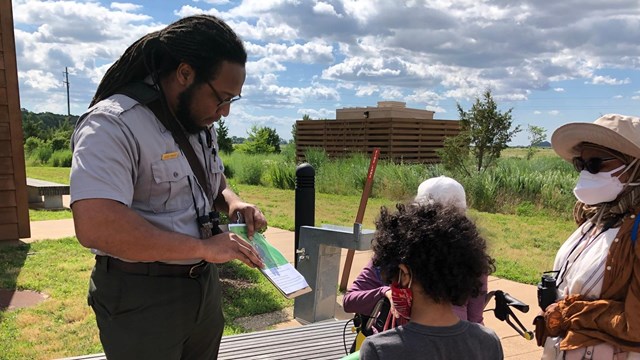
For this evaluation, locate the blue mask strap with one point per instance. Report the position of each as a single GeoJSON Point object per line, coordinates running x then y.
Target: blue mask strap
{"type": "Point", "coordinates": [634, 230]}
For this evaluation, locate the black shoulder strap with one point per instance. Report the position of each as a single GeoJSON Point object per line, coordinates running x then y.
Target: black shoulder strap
{"type": "Point", "coordinates": [147, 95]}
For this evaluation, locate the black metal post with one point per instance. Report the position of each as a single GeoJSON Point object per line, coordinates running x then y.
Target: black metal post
{"type": "Point", "coordinates": [305, 202]}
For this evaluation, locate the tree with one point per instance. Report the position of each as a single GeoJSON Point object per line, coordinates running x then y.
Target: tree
{"type": "Point", "coordinates": [537, 134]}
{"type": "Point", "coordinates": [237, 140]}
{"type": "Point", "coordinates": [455, 153]}
{"type": "Point", "coordinates": [225, 144]}
{"type": "Point", "coordinates": [484, 132]}
{"type": "Point", "coordinates": [262, 140]}
{"type": "Point", "coordinates": [294, 132]}
{"type": "Point", "coordinates": [294, 128]}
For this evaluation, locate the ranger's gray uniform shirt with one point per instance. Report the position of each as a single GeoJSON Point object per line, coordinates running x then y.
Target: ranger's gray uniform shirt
{"type": "Point", "coordinates": [122, 152]}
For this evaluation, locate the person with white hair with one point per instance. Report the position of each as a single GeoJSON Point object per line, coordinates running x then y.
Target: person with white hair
{"type": "Point", "coordinates": [369, 288]}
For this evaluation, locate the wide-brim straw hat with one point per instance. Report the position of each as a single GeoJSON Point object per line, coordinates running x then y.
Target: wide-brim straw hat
{"type": "Point", "coordinates": [613, 131]}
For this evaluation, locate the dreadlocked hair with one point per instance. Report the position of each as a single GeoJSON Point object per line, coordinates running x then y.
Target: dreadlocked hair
{"type": "Point", "coordinates": [202, 41]}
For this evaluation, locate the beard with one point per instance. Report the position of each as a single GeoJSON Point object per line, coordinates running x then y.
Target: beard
{"type": "Point", "coordinates": [183, 111]}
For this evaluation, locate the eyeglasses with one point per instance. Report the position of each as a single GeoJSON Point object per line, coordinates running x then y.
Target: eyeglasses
{"type": "Point", "coordinates": [592, 165]}
{"type": "Point", "coordinates": [221, 102]}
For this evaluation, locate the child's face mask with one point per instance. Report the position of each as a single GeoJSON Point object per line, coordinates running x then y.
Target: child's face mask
{"type": "Point", "coordinates": [402, 298]}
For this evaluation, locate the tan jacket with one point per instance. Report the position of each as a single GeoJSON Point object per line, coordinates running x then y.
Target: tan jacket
{"type": "Point", "coordinates": [615, 317]}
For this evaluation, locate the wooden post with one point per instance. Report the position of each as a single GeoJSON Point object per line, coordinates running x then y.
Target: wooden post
{"type": "Point", "coordinates": [363, 205]}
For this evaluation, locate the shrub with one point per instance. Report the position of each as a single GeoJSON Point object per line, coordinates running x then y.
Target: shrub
{"type": "Point", "coordinates": [316, 157]}
{"type": "Point", "coordinates": [288, 153]}
{"type": "Point", "coordinates": [59, 143]}
{"type": "Point", "coordinates": [282, 175]}
{"type": "Point", "coordinates": [228, 170]}
{"type": "Point", "coordinates": [42, 153]}
{"type": "Point", "coordinates": [31, 144]}
{"type": "Point", "coordinates": [61, 158]}
{"type": "Point", "coordinates": [247, 169]}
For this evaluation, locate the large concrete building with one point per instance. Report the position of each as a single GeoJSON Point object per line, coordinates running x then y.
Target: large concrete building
{"type": "Point", "coordinates": [384, 110]}
{"type": "Point", "coordinates": [402, 134]}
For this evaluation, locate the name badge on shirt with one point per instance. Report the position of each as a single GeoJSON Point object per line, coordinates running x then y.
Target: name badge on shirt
{"type": "Point", "coordinates": [171, 155]}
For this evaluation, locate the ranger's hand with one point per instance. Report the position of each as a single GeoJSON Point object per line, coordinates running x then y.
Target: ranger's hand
{"type": "Point", "coordinates": [228, 246]}
{"type": "Point", "coordinates": [251, 215]}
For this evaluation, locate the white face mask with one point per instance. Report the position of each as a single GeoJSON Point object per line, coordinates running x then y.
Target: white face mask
{"type": "Point", "coordinates": [599, 188]}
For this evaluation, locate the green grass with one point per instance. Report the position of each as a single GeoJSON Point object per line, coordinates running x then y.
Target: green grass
{"type": "Point", "coordinates": [63, 325]}
{"type": "Point", "coordinates": [55, 174]}
{"type": "Point", "coordinates": [523, 246]}
{"type": "Point", "coordinates": [41, 215]}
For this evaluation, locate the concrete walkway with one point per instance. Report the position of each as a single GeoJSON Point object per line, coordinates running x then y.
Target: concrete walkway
{"type": "Point", "coordinates": [515, 347]}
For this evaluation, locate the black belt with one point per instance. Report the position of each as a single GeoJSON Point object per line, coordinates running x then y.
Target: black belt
{"type": "Point", "coordinates": [152, 269]}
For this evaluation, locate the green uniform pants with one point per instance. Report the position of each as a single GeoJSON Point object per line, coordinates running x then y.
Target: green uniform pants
{"type": "Point", "coordinates": [153, 317]}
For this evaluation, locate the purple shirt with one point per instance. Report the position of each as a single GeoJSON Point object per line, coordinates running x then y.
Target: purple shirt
{"type": "Point", "coordinates": [368, 288]}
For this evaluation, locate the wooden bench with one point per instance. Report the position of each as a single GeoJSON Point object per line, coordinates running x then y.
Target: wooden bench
{"type": "Point", "coordinates": [318, 341]}
{"type": "Point", "coordinates": [46, 194]}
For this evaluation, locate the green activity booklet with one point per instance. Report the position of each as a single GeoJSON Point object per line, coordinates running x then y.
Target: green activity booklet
{"type": "Point", "coordinates": [277, 269]}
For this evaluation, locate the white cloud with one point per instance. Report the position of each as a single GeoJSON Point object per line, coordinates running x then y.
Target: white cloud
{"type": "Point", "coordinates": [313, 52]}
{"type": "Point", "coordinates": [326, 53]}
{"type": "Point", "coordinates": [438, 110]}
{"type": "Point", "coordinates": [214, 2]}
{"type": "Point", "coordinates": [607, 80]}
{"type": "Point", "coordinates": [127, 7]}
{"type": "Point", "coordinates": [264, 66]}
{"type": "Point", "coordinates": [323, 8]}
{"type": "Point", "coordinates": [315, 114]}
{"type": "Point", "coordinates": [553, 112]}
{"type": "Point", "coordinates": [424, 96]}
{"type": "Point", "coordinates": [40, 80]}
{"type": "Point", "coordinates": [367, 90]}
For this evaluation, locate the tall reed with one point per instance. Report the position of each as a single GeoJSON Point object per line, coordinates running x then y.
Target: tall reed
{"type": "Point", "coordinates": [542, 185]}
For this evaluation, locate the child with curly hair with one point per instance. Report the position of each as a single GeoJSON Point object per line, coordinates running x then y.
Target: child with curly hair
{"type": "Point", "coordinates": [434, 258]}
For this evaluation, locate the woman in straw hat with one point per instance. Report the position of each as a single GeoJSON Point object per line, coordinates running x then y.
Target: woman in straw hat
{"type": "Point", "coordinates": [597, 270]}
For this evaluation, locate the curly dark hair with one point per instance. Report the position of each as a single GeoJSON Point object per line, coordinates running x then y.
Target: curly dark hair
{"type": "Point", "coordinates": [440, 245]}
{"type": "Point", "coordinates": [202, 41]}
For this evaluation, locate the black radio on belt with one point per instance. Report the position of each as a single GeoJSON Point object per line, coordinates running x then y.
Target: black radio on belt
{"type": "Point", "coordinates": [209, 225]}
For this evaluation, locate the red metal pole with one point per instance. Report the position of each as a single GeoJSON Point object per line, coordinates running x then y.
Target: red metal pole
{"type": "Point", "coordinates": [363, 205]}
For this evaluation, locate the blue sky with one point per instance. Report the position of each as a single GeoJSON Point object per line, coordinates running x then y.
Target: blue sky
{"type": "Point", "coordinates": [552, 62]}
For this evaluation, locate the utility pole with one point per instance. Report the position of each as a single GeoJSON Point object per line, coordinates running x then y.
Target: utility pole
{"type": "Point", "coordinates": [66, 81]}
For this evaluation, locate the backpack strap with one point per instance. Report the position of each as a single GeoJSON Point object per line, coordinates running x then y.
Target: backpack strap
{"type": "Point", "coordinates": [140, 92]}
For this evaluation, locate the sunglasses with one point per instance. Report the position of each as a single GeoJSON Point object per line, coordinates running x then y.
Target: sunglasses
{"type": "Point", "coordinates": [592, 165]}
